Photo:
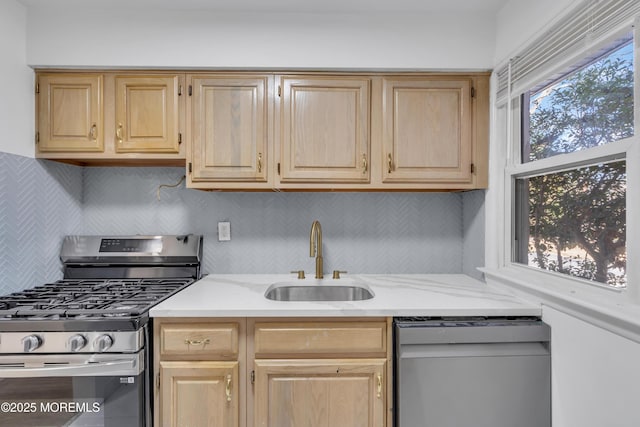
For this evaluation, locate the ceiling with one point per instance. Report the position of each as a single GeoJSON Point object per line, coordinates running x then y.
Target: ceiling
{"type": "Point", "coordinates": [295, 6]}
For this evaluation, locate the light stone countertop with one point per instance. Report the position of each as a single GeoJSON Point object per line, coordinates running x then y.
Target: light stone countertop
{"type": "Point", "coordinates": [242, 295]}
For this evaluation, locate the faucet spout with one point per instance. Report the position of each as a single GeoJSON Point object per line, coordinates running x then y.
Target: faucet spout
{"type": "Point", "coordinates": [315, 247]}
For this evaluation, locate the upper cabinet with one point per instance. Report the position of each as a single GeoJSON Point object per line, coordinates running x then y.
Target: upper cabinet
{"type": "Point", "coordinates": [96, 118]}
{"type": "Point", "coordinates": [434, 131]}
{"type": "Point", "coordinates": [147, 114]}
{"type": "Point", "coordinates": [229, 131]}
{"type": "Point", "coordinates": [324, 129]}
{"type": "Point", "coordinates": [70, 115]}
{"type": "Point", "coordinates": [426, 130]}
{"type": "Point", "coordinates": [274, 131]}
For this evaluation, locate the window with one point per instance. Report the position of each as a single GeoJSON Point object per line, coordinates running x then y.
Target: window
{"type": "Point", "coordinates": [570, 213]}
{"type": "Point", "coordinates": [590, 107]}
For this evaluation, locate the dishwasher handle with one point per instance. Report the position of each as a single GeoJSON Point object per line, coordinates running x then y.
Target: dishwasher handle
{"type": "Point", "coordinates": [472, 334]}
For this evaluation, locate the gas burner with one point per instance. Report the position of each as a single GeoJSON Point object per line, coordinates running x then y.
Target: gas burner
{"type": "Point", "coordinates": [75, 299]}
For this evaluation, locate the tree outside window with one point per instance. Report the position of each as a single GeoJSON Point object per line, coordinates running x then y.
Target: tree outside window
{"type": "Point", "coordinates": [576, 219]}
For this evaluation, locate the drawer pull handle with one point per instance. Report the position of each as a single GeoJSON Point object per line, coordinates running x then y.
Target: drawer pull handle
{"type": "Point", "coordinates": [228, 388]}
{"type": "Point", "coordinates": [379, 386]}
{"type": "Point", "coordinates": [259, 162]}
{"type": "Point", "coordinates": [197, 342]}
{"type": "Point", "coordinates": [119, 133]}
{"type": "Point", "coordinates": [365, 165]}
{"type": "Point", "coordinates": [389, 163]}
{"type": "Point", "coordinates": [94, 132]}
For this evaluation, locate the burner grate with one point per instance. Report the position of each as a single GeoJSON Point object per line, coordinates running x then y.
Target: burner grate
{"type": "Point", "coordinates": [73, 298]}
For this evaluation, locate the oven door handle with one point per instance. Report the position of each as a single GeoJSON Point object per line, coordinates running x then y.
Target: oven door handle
{"type": "Point", "coordinates": [129, 366]}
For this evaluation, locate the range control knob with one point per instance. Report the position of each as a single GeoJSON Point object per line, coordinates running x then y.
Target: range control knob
{"type": "Point", "coordinates": [102, 343]}
{"type": "Point", "coordinates": [76, 342]}
{"type": "Point", "coordinates": [31, 343]}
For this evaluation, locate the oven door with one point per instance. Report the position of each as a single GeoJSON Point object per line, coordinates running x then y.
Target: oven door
{"type": "Point", "coordinates": [72, 390]}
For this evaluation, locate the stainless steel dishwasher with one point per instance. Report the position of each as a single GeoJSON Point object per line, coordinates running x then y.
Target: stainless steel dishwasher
{"type": "Point", "coordinates": [472, 372]}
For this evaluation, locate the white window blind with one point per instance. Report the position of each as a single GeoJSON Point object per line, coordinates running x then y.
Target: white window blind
{"type": "Point", "coordinates": [589, 22]}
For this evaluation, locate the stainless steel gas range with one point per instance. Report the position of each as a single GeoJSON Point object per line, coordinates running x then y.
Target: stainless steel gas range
{"type": "Point", "coordinates": [77, 352]}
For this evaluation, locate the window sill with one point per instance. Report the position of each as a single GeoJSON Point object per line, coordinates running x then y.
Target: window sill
{"type": "Point", "coordinates": [607, 308]}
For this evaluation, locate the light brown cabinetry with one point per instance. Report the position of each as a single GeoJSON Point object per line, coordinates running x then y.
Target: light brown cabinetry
{"type": "Point", "coordinates": [342, 131]}
{"type": "Point", "coordinates": [433, 130]}
{"type": "Point", "coordinates": [427, 130]}
{"type": "Point", "coordinates": [110, 118]}
{"type": "Point", "coordinates": [315, 393]}
{"type": "Point", "coordinates": [229, 131]}
{"type": "Point", "coordinates": [272, 372]}
{"type": "Point", "coordinates": [199, 394]}
{"type": "Point", "coordinates": [147, 114]}
{"type": "Point", "coordinates": [321, 372]}
{"type": "Point", "coordinates": [324, 129]}
{"type": "Point", "coordinates": [274, 131]}
{"type": "Point", "coordinates": [200, 375]}
{"type": "Point", "coordinates": [70, 113]}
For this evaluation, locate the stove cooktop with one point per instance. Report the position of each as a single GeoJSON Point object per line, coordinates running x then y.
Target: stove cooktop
{"type": "Point", "coordinates": [88, 299]}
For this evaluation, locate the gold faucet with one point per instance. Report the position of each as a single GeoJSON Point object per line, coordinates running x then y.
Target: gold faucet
{"type": "Point", "coordinates": [315, 246]}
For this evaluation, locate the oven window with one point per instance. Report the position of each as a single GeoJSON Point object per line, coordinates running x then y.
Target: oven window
{"type": "Point", "coordinates": [72, 401]}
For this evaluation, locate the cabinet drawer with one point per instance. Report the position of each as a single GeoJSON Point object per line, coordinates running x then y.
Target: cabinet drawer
{"type": "Point", "coordinates": [219, 340]}
{"type": "Point", "coordinates": [314, 338]}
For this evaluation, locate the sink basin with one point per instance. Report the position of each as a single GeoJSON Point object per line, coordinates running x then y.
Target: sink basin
{"type": "Point", "coordinates": [318, 290]}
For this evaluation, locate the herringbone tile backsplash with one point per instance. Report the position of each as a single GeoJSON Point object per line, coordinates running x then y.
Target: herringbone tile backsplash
{"type": "Point", "coordinates": [42, 201]}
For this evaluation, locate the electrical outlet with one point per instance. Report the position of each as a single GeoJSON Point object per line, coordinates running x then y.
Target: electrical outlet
{"type": "Point", "coordinates": [224, 231]}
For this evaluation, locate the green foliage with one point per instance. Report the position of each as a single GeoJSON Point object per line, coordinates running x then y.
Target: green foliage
{"type": "Point", "coordinates": [582, 210]}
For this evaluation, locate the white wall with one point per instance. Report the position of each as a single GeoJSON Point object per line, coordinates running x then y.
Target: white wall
{"type": "Point", "coordinates": [595, 375]}
{"type": "Point", "coordinates": [161, 38]}
{"type": "Point", "coordinates": [17, 100]}
{"type": "Point", "coordinates": [520, 21]}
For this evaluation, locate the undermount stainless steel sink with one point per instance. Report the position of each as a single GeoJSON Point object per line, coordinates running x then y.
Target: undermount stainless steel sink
{"type": "Point", "coordinates": [319, 290]}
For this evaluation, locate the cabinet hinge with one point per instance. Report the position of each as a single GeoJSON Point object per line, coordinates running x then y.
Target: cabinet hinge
{"type": "Point", "coordinates": [179, 90]}
{"type": "Point", "coordinates": [278, 168]}
{"type": "Point", "coordinates": [158, 381]}
{"type": "Point", "coordinates": [37, 138]}
{"type": "Point", "coordinates": [190, 167]}
{"type": "Point", "coordinates": [37, 88]}
{"type": "Point", "coordinates": [253, 377]}
{"type": "Point", "coordinates": [279, 90]}
{"type": "Point", "coordinates": [473, 92]}
{"type": "Point", "coordinates": [473, 168]}
{"type": "Point", "coordinates": [190, 90]}
{"type": "Point", "coordinates": [179, 138]}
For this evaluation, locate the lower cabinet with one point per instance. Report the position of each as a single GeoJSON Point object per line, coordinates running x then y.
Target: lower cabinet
{"type": "Point", "coordinates": [199, 394]}
{"type": "Point", "coordinates": [341, 392]}
{"type": "Point", "coordinates": [272, 372]}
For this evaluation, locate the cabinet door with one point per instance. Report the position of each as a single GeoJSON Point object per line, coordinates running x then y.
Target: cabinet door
{"type": "Point", "coordinates": [324, 133]}
{"type": "Point", "coordinates": [147, 114]}
{"type": "Point", "coordinates": [203, 394]}
{"type": "Point", "coordinates": [427, 130]}
{"type": "Point", "coordinates": [320, 393]}
{"type": "Point", "coordinates": [70, 116]}
{"type": "Point", "coordinates": [229, 128]}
